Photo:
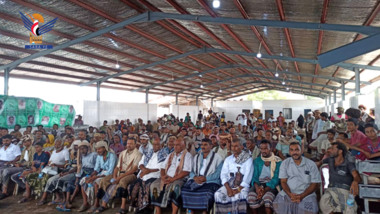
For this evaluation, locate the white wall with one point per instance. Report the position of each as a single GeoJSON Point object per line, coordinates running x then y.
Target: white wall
{"type": "Point", "coordinates": [297, 106]}
{"type": "Point", "coordinates": [232, 108]}
{"type": "Point", "coordinates": [96, 112]}
{"type": "Point", "coordinates": [180, 111]}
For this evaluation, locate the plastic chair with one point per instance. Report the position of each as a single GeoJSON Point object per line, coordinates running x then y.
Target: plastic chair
{"type": "Point", "coordinates": [366, 191]}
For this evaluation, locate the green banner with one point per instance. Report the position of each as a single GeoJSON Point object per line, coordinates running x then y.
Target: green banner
{"type": "Point", "coordinates": [27, 111]}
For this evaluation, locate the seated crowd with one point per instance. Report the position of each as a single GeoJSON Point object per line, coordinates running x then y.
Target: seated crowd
{"type": "Point", "coordinates": [255, 166]}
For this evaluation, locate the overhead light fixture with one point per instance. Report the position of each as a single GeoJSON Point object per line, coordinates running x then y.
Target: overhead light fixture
{"type": "Point", "coordinates": [200, 75]}
{"type": "Point", "coordinates": [220, 90]}
{"type": "Point", "coordinates": [233, 94]}
{"type": "Point", "coordinates": [117, 66]}
{"type": "Point", "coordinates": [216, 3]}
{"type": "Point", "coordinates": [283, 82]}
{"type": "Point", "coordinates": [202, 86]}
{"type": "Point", "coordinates": [287, 89]}
{"type": "Point", "coordinates": [276, 74]}
{"type": "Point", "coordinates": [259, 55]}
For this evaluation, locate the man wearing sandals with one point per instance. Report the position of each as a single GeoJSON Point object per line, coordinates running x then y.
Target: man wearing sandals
{"type": "Point", "coordinates": [86, 163]}
{"type": "Point", "coordinates": [123, 175]}
{"type": "Point", "coordinates": [40, 159]}
{"type": "Point", "coordinates": [104, 166]}
{"type": "Point", "coordinates": [149, 165]}
{"type": "Point", "coordinates": [59, 159]}
{"type": "Point", "coordinates": [26, 159]}
{"type": "Point", "coordinates": [168, 188]}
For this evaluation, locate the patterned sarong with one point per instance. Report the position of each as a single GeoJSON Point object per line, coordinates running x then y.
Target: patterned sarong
{"type": "Point", "coordinates": [236, 204]}
{"type": "Point", "coordinates": [169, 193]}
{"type": "Point", "coordinates": [202, 198]}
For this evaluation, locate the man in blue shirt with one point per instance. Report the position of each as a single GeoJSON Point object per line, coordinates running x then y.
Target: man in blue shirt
{"type": "Point", "coordinates": [104, 166]}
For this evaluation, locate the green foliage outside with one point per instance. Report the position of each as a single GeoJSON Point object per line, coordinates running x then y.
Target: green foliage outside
{"type": "Point", "coordinates": [266, 95]}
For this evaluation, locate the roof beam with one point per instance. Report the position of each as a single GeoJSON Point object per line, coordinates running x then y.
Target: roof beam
{"type": "Point", "coordinates": [349, 51]}
{"type": "Point", "coordinates": [258, 76]}
{"type": "Point", "coordinates": [141, 17]}
{"type": "Point", "coordinates": [273, 71]}
{"type": "Point", "coordinates": [268, 23]}
{"type": "Point", "coordinates": [261, 82]}
{"type": "Point", "coordinates": [193, 52]}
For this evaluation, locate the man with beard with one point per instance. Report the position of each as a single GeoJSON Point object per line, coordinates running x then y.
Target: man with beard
{"type": "Point", "coordinates": [149, 165]}
{"type": "Point", "coordinates": [123, 175]}
{"type": "Point", "coordinates": [265, 182]}
{"type": "Point", "coordinates": [284, 142]}
{"type": "Point", "coordinates": [176, 169]}
{"type": "Point", "coordinates": [224, 148]}
{"type": "Point", "coordinates": [343, 181]}
{"type": "Point", "coordinates": [104, 166]}
{"type": "Point", "coordinates": [198, 192]}
{"type": "Point", "coordinates": [299, 180]}
{"type": "Point", "coordinates": [236, 177]}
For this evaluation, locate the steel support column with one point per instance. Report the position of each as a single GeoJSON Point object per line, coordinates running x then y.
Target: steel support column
{"type": "Point", "coordinates": [98, 91]}
{"type": "Point", "coordinates": [6, 81]}
{"type": "Point", "coordinates": [147, 96]}
{"type": "Point", "coordinates": [176, 98]}
{"type": "Point", "coordinates": [357, 81]}
{"type": "Point", "coordinates": [334, 96]}
{"type": "Point", "coordinates": [196, 101]}
{"type": "Point", "coordinates": [343, 92]}
{"type": "Point", "coordinates": [329, 99]}
{"type": "Point", "coordinates": [212, 102]}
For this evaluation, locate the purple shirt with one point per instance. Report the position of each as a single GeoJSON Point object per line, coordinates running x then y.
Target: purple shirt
{"type": "Point", "coordinates": [117, 148]}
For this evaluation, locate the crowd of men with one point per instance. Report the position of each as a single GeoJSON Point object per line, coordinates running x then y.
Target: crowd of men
{"type": "Point", "coordinates": [193, 164]}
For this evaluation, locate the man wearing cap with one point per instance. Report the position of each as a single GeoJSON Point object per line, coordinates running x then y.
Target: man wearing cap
{"type": "Point", "coordinates": [146, 147]}
{"type": "Point", "coordinates": [123, 175]}
{"type": "Point", "coordinates": [25, 161]}
{"type": "Point", "coordinates": [149, 165]}
{"type": "Point", "coordinates": [85, 167]}
{"type": "Point", "coordinates": [176, 168]}
{"type": "Point", "coordinates": [104, 166]}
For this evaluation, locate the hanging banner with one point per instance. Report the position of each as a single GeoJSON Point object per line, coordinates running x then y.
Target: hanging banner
{"type": "Point", "coordinates": [27, 111]}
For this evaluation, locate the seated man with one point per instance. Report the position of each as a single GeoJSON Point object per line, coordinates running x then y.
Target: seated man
{"type": "Point", "coordinates": [25, 162]}
{"type": "Point", "coordinates": [198, 191]}
{"type": "Point", "coordinates": [284, 142]}
{"type": "Point", "coordinates": [252, 148]}
{"type": "Point", "coordinates": [299, 180]}
{"type": "Point", "coordinates": [122, 176]}
{"type": "Point", "coordinates": [149, 165]}
{"type": "Point", "coordinates": [169, 148]}
{"type": "Point", "coordinates": [236, 177]}
{"type": "Point", "coordinates": [85, 167]}
{"type": "Point", "coordinates": [224, 148]}
{"type": "Point", "coordinates": [265, 182]}
{"type": "Point", "coordinates": [104, 166]}
{"type": "Point", "coordinates": [176, 168]}
{"type": "Point", "coordinates": [343, 181]}
{"type": "Point", "coordinates": [40, 159]}
{"type": "Point", "coordinates": [146, 146]}
{"type": "Point", "coordinates": [58, 160]}
{"type": "Point", "coordinates": [325, 144]}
